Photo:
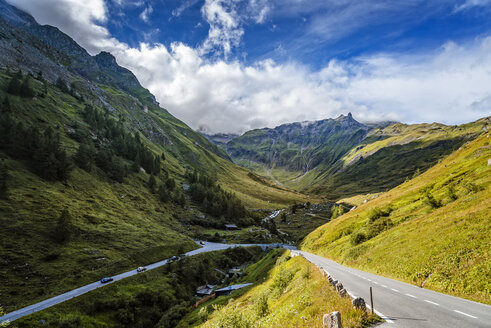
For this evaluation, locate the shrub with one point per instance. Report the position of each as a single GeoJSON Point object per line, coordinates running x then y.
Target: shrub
{"type": "Point", "coordinates": [377, 213]}
{"type": "Point", "coordinates": [357, 238]}
{"type": "Point", "coordinates": [281, 280]}
{"type": "Point", "coordinates": [233, 318]}
{"type": "Point", "coordinates": [261, 307]}
{"type": "Point", "coordinates": [379, 226]}
{"type": "Point", "coordinates": [451, 193]}
{"type": "Point", "coordinates": [430, 200]}
{"type": "Point", "coordinates": [203, 313]}
{"type": "Point", "coordinates": [336, 211]}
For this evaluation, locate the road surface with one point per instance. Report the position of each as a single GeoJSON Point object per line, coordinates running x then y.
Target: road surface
{"type": "Point", "coordinates": [407, 306]}
{"type": "Point", "coordinates": [207, 247]}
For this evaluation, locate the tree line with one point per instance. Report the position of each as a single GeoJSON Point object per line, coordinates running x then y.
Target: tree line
{"type": "Point", "coordinates": [212, 198]}
{"type": "Point", "coordinates": [41, 148]}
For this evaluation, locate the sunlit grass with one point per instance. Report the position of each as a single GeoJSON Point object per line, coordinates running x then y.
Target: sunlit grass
{"type": "Point", "coordinates": [444, 243]}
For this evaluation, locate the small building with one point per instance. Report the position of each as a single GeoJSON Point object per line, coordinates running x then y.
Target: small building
{"type": "Point", "coordinates": [229, 289]}
{"type": "Point", "coordinates": [231, 227]}
{"type": "Point", "coordinates": [205, 290]}
{"type": "Point", "coordinates": [235, 271]}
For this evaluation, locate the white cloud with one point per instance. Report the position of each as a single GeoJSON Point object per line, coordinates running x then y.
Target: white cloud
{"type": "Point", "coordinates": [467, 4]}
{"type": "Point", "coordinates": [226, 19]}
{"type": "Point", "coordinates": [225, 27]}
{"type": "Point", "coordinates": [145, 13]}
{"type": "Point", "coordinates": [183, 7]}
{"type": "Point", "coordinates": [450, 85]}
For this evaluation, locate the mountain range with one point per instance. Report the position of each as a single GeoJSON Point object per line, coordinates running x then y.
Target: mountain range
{"type": "Point", "coordinates": [341, 157]}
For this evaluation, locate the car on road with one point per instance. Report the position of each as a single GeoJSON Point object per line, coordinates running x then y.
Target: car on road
{"type": "Point", "coordinates": [141, 269]}
{"type": "Point", "coordinates": [201, 242]}
{"type": "Point", "coordinates": [174, 258]}
{"type": "Point", "coordinates": [106, 279]}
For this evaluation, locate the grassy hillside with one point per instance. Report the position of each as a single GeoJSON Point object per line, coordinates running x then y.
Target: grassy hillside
{"type": "Point", "coordinates": [156, 298]}
{"type": "Point", "coordinates": [435, 225]}
{"type": "Point", "coordinates": [114, 225]}
{"type": "Point", "coordinates": [293, 294]}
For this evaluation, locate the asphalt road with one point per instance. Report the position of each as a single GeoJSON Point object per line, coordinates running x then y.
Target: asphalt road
{"type": "Point", "coordinates": [407, 306]}
{"type": "Point", "coordinates": [208, 247]}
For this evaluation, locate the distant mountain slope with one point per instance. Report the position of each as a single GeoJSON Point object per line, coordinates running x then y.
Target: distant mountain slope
{"type": "Point", "coordinates": [341, 157]}
{"type": "Point", "coordinates": [389, 156]}
{"type": "Point", "coordinates": [432, 230]}
{"type": "Point", "coordinates": [298, 146]}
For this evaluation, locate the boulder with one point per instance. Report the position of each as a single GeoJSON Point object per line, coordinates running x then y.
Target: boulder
{"type": "Point", "coordinates": [359, 303]}
{"type": "Point", "coordinates": [332, 320]}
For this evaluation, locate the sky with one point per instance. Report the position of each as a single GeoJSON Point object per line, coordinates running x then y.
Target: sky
{"type": "Point", "coordinates": [229, 66]}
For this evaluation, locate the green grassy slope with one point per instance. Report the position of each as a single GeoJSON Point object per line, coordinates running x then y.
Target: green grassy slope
{"type": "Point", "coordinates": [116, 226]}
{"type": "Point", "coordinates": [436, 227]}
{"type": "Point", "coordinates": [293, 294]}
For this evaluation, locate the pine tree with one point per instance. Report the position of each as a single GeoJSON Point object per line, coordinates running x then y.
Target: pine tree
{"type": "Point", "coordinates": [152, 184]}
{"type": "Point", "coordinates": [6, 108]}
{"type": "Point", "coordinates": [26, 90]}
{"type": "Point", "coordinates": [4, 176]}
{"type": "Point", "coordinates": [62, 85]}
{"type": "Point", "coordinates": [135, 167]}
{"type": "Point", "coordinates": [62, 230]}
{"type": "Point", "coordinates": [170, 184]}
{"type": "Point", "coordinates": [163, 195]}
{"type": "Point", "coordinates": [63, 166]}
{"type": "Point", "coordinates": [15, 83]}
{"type": "Point", "coordinates": [85, 156]}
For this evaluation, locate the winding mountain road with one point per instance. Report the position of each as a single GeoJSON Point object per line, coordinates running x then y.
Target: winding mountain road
{"type": "Point", "coordinates": [403, 305]}
{"type": "Point", "coordinates": [207, 247]}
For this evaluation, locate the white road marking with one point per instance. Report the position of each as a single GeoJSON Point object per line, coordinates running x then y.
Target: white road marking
{"type": "Point", "coordinates": [465, 314]}
{"type": "Point", "coordinates": [384, 286]}
{"type": "Point", "coordinates": [431, 302]}
{"type": "Point", "coordinates": [395, 290]}
{"type": "Point", "coordinates": [411, 295]}
{"type": "Point", "coordinates": [376, 283]}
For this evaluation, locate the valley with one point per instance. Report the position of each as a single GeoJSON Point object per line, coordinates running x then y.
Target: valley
{"type": "Point", "coordinates": [98, 179]}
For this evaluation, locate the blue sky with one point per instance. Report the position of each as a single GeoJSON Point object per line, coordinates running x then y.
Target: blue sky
{"type": "Point", "coordinates": [312, 32]}
{"type": "Point", "coordinates": [233, 65]}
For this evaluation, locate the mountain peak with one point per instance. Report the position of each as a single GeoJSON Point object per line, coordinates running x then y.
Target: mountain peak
{"type": "Point", "coordinates": [15, 16]}
{"type": "Point", "coordinates": [106, 59]}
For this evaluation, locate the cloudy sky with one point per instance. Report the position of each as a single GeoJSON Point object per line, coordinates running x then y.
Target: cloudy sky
{"type": "Point", "coordinates": [233, 65]}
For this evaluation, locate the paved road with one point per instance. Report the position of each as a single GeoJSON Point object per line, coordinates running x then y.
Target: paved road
{"type": "Point", "coordinates": [208, 247]}
{"type": "Point", "coordinates": [407, 306]}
